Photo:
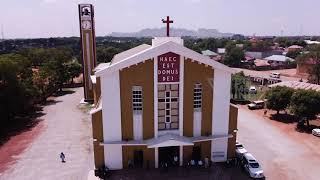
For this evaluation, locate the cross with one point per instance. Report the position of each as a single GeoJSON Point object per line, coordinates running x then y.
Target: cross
{"type": "Point", "coordinates": [168, 21]}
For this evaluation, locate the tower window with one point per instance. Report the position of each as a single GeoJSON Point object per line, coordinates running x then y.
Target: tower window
{"type": "Point", "coordinates": [197, 96]}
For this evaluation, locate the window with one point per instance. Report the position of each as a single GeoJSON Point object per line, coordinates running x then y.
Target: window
{"type": "Point", "coordinates": [168, 106]}
{"type": "Point", "coordinates": [137, 98]}
{"type": "Point", "coordinates": [197, 96]}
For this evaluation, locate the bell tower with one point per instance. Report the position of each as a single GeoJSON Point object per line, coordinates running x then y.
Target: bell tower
{"type": "Point", "coordinates": [88, 47]}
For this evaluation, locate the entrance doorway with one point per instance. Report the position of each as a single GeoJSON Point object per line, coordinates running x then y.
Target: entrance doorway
{"type": "Point", "coordinates": [167, 155]}
{"type": "Point", "coordinates": [196, 153]}
{"type": "Point", "coordinates": [138, 158]}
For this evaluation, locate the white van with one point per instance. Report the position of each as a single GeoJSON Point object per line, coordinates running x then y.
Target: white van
{"type": "Point", "coordinates": [275, 75]}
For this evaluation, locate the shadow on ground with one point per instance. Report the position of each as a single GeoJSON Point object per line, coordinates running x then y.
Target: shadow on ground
{"type": "Point", "coordinates": [306, 129]}
{"type": "Point", "coordinates": [26, 122]}
{"type": "Point", "coordinates": [19, 125]}
{"type": "Point", "coordinates": [63, 92]}
{"type": "Point", "coordinates": [284, 118]}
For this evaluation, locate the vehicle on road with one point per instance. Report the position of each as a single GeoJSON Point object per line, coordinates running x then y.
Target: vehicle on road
{"type": "Point", "coordinates": [275, 75]}
{"type": "Point", "coordinates": [240, 150]}
{"type": "Point", "coordinates": [256, 105]}
{"type": "Point", "coordinates": [316, 132]}
{"type": "Point", "coordinates": [251, 165]}
{"type": "Point", "coordinates": [253, 90]}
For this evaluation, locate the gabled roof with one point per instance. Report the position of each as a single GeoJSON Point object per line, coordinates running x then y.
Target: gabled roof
{"type": "Point", "coordinates": [209, 53]}
{"type": "Point", "coordinates": [297, 85]}
{"type": "Point", "coordinates": [125, 54]}
{"type": "Point", "coordinates": [170, 140]}
{"type": "Point", "coordinates": [101, 66]}
{"type": "Point", "coordinates": [295, 47]}
{"type": "Point", "coordinates": [280, 58]}
{"type": "Point", "coordinates": [154, 51]}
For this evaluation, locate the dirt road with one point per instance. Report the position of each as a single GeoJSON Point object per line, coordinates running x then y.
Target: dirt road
{"type": "Point", "coordinates": [283, 153]}
{"type": "Point", "coordinates": [286, 74]}
{"type": "Point", "coordinates": [66, 129]}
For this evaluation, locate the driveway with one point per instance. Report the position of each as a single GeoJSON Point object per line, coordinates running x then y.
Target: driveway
{"type": "Point", "coordinates": [283, 153]}
{"type": "Point", "coordinates": [66, 129]}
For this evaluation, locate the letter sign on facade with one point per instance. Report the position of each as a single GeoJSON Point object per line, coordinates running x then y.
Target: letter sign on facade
{"type": "Point", "coordinates": [168, 68]}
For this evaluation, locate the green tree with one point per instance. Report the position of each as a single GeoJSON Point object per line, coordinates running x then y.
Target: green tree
{"type": "Point", "coordinates": [36, 55]}
{"type": "Point", "coordinates": [238, 85]}
{"type": "Point", "coordinates": [105, 54]}
{"type": "Point", "coordinates": [278, 98]}
{"type": "Point", "coordinates": [305, 104]}
{"type": "Point", "coordinates": [16, 88]}
{"type": "Point", "coordinates": [314, 56]}
{"type": "Point", "coordinates": [233, 57]}
{"type": "Point", "coordinates": [74, 69]}
{"type": "Point", "coordinates": [293, 54]}
{"type": "Point", "coordinates": [55, 69]}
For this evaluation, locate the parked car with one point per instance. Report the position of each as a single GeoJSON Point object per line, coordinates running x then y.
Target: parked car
{"type": "Point", "coordinates": [316, 132]}
{"type": "Point", "coordinates": [256, 105]}
{"type": "Point", "coordinates": [275, 75]}
{"type": "Point", "coordinates": [251, 165]}
{"type": "Point", "coordinates": [253, 90]}
{"type": "Point", "coordinates": [240, 150]}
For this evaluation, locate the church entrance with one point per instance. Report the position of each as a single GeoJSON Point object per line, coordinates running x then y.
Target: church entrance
{"type": "Point", "coordinates": [138, 158]}
{"type": "Point", "coordinates": [196, 153]}
{"type": "Point", "coordinates": [169, 156]}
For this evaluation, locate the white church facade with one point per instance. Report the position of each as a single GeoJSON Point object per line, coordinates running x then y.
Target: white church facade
{"type": "Point", "coordinates": [162, 101]}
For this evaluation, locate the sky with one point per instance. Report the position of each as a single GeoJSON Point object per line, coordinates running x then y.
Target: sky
{"type": "Point", "coordinates": [59, 18]}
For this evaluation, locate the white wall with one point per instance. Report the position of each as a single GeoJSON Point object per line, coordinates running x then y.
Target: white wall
{"type": "Point", "coordinates": [181, 90]}
{"type": "Point", "coordinates": [137, 126]}
{"type": "Point", "coordinates": [111, 113]}
{"type": "Point", "coordinates": [197, 116]}
{"type": "Point", "coordinates": [220, 112]}
{"type": "Point", "coordinates": [155, 96]}
{"type": "Point", "coordinates": [113, 156]}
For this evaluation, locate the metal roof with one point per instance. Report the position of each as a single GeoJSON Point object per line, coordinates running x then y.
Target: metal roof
{"type": "Point", "coordinates": [209, 53]}
{"type": "Point", "coordinates": [280, 58]}
{"type": "Point", "coordinates": [298, 85]}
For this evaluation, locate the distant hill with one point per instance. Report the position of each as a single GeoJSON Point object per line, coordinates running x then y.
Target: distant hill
{"type": "Point", "coordinates": [158, 32]}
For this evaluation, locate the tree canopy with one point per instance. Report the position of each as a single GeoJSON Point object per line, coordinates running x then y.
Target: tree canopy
{"type": "Point", "coordinates": [314, 56]}
{"type": "Point", "coordinates": [238, 85]}
{"type": "Point", "coordinates": [234, 57]}
{"type": "Point", "coordinates": [31, 75]}
{"type": "Point", "coordinates": [278, 98]}
{"type": "Point", "coordinates": [305, 103]}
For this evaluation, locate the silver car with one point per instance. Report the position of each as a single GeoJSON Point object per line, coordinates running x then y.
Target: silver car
{"type": "Point", "coordinates": [251, 165]}
{"type": "Point", "coordinates": [240, 150]}
{"type": "Point", "coordinates": [316, 132]}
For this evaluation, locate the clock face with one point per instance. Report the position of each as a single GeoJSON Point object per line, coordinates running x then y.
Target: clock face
{"type": "Point", "coordinates": [86, 24]}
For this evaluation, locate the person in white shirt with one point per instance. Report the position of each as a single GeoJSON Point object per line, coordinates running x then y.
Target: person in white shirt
{"type": "Point", "coordinates": [192, 162]}
{"type": "Point", "coordinates": [175, 159]}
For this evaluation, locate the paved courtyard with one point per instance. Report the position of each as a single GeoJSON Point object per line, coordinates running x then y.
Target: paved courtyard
{"type": "Point", "coordinates": [283, 152]}
{"type": "Point", "coordinates": [216, 172]}
{"type": "Point", "coordinates": [66, 129]}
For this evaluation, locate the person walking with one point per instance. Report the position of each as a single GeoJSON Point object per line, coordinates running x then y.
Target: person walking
{"type": "Point", "coordinates": [206, 162]}
{"type": "Point", "coordinates": [62, 157]}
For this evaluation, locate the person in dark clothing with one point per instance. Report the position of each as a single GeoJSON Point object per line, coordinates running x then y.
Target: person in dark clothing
{"type": "Point", "coordinates": [62, 157]}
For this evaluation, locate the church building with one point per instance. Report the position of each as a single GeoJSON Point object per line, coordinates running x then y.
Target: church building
{"type": "Point", "coordinates": [162, 103]}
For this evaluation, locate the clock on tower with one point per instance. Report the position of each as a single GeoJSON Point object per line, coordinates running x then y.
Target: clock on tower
{"type": "Point", "coordinates": [88, 47]}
